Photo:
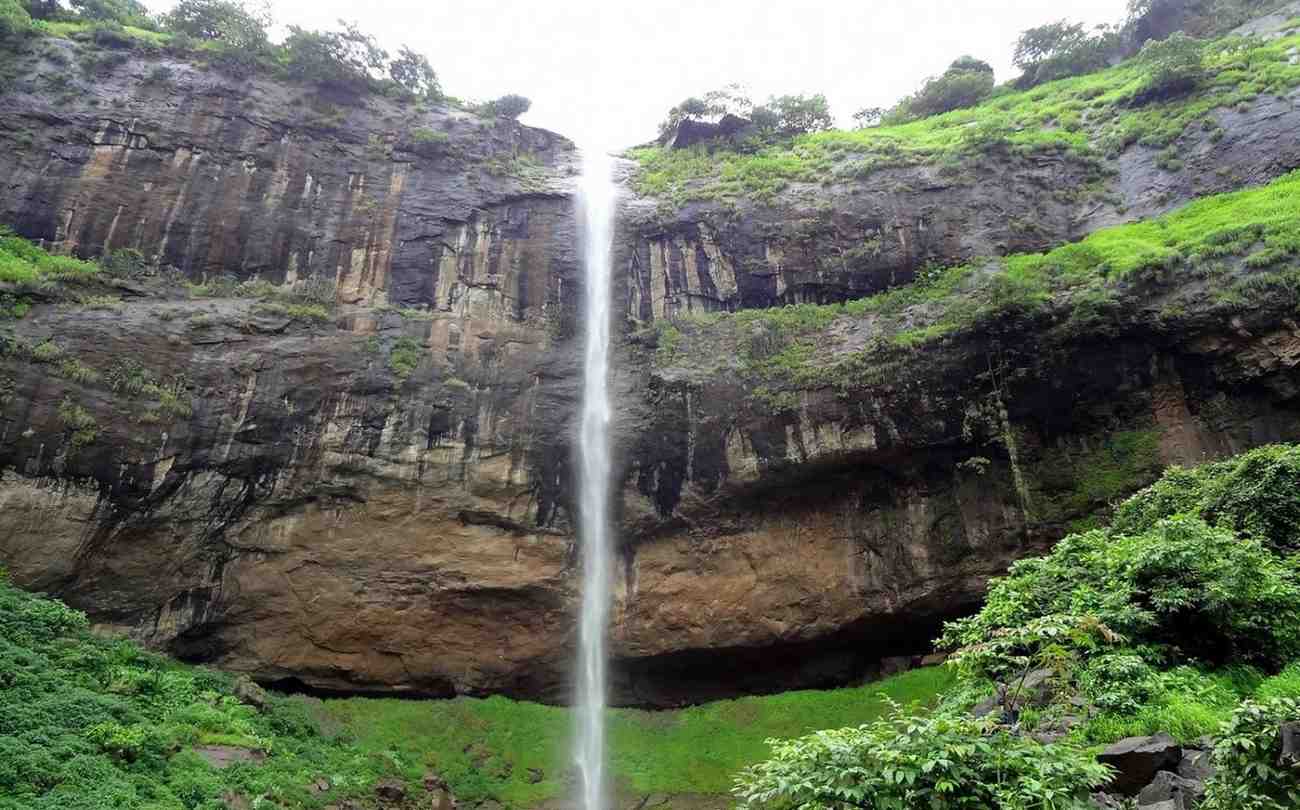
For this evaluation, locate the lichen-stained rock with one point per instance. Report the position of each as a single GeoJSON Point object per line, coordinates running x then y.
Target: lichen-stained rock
{"type": "Point", "coordinates": [250, 177]}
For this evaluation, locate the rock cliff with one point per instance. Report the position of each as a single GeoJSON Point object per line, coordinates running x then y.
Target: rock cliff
{"type": "Point", "coordinates": [380, 502]}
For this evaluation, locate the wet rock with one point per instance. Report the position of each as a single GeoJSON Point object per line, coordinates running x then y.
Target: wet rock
{"type": "Point", "coordinates": [250, 694]}
{"type": "Point", "coordinates": [1197, 765]}
{"type": "Point", "coordinates": [1290, 735]}
{"type": "Point", "coordinates": [223, 756]}
{"type": "Point", "coordinates": [1137, 760]}
{"type": "Point", "coordinates": [1170, 787]}
{"type": "Point", "coordinates": [390, 790]}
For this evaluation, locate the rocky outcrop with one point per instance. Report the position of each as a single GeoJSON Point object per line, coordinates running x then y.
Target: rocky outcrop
{"type": "Point", "coordinates": [852, 238]}
{"type": "Point", "coordinates": [380, 502]}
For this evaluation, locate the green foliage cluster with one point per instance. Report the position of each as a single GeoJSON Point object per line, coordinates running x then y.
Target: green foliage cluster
{"type": "Point", "coordinates": [26, 266]}
{"type": "Point", "coordinates": [88, 723]}
{"type": "Point", "coordinates": [311, 299]}
{"type": "Point", "coordinates": [1084, 117]}
{"type": "Point", "coordinates": [967, 82]}
{"type": "Point", "coordinates": [404, 357]}
{"type": "Point", "coordinates": [14, 20]}
{"type": "Point", "coordinates": [1171, 66]}
{"type": "Point", "coordinates": [1255, 494]}
{"type": "Point", "coordinates": [1183, 587]}
{"type": "Point", "coordinates": [1062, 49]}
{"type": "Point", "coordinates": [1250, 773]}
{"type": "Point", "coordinates": [169, 397]}
{"type": "Point", "coordinates": [81, 426]}
{"type": "Point", "coordinates": [944, 761]}
{"type": "Point", "coordinates": [509, 106]}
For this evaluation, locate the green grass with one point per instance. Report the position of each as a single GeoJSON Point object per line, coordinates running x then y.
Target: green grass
{"type": "Point", "coordinates": [88, 722]}
{"type": "Point", "coordinates": [1087, 288]}
{"type": "Point", "coordinates": [23, 264]}
{"type": "Point", "coordinates": [1086, 117]}
{"type": "Point", "coordinates": [486, 748]}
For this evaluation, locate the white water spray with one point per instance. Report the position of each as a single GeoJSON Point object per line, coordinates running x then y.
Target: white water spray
{"type": "Point", "coordinates": [597, 195]}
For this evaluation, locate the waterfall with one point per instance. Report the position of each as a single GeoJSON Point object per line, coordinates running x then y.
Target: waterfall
{"type": "Point", "coordinates": [597, 194]}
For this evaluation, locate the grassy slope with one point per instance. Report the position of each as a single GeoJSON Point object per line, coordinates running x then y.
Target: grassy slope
{"type": "Point", "coordinates": [1087, 116]}
{"type": "Point", "coordinates": [1090, 287]}
{"type": "Point", "coordinates": [87, 722]}
{"type": "Point", "coordinates": [486, 747]}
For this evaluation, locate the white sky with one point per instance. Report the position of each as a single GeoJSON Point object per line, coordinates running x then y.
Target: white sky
{"type": "Point", "coordinates": [604, 72]}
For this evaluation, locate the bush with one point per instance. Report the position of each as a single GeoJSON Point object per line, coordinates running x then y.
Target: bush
{"type": "Point", "coordinates": [1193, 590]}
{"type": "Point", "coordinates": [508, 106]}
{"type": "Point", "coordinates": [794, 115]}
{"type": "Point", "coordinates": [938, 762]}
{"type": "Point", "coordinates": [1170, 67]}
{"type": "Point", "coordinates": [14, 19]}
{"type": "Point", "coordinates": [1249, 773]}
{"type": "Point", "coordinates": [967, 82]}
{"type": "Point", "coordinates": [1256, 494]}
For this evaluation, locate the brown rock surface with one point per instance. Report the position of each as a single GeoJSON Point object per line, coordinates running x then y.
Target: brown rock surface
{"type": "Point", "coordinates": [315, 518]}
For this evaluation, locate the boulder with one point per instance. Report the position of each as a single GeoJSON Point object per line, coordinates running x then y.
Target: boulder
{"type": "Point", "coordinates": [390, 790]}
{"type": "Point", "coordinates": [1137, 760]}
{"type": "Point", "coordinates": [1290, 734]}
{"type": "Point", "coordinates": [1196, 765]}
{"type": "Point", "coordinates": [223, 756]}
{"type": "Point", "coordinates": [689, 132]}
{"type": "Point", "coordinates": [250, 694]}
{"type": "Point", "coordinates": [1170, 787]}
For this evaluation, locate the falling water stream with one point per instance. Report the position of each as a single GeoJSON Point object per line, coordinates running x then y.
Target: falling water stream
{"type": "Point", "coordinates": [597, 196]}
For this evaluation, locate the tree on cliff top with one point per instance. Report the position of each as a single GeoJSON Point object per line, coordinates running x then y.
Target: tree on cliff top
{"type": "Point", "coordinates": [14, 19]}
{"type": "Point", "coordinates": [414, 74]}
{"type": "Point", "coordinates": [347, 59]}
{"type": "Point", "coordinates": [237, 24]}
{"type": "Point", "coordinates": [965, 83]}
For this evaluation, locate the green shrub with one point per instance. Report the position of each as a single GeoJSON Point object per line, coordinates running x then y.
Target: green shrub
{"type": "Point", "coordinates": [1062, 49]}
{"type": "Point", "coordinates": [1249, 774]}
{"type": "Point", "coordinates": [966, 83]}
{"type": "Point", "coordinates": [1256, 493]}
{"type": "Point", "coordinates": [404, 357]}
{"type": "Point", "coordinates": [345, 60]}
{"type": "Point", "coordinates": [1197, 591]}
{"type": "Point", "coordinates": [1170, 66]}
{"type": "Point", "coordinates": [942, 762]}
{"type": "Point", "coordinates": [79, 423]}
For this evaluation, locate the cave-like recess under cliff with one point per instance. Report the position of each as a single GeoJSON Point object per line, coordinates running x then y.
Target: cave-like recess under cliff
{"type": "Point", "coordinates": [380, 502]}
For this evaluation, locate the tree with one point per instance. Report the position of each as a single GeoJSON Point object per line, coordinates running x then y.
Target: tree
{"type": "Point", "coordinates": [346, 59]}
{"type": "Point", "coordinates": [511, 106]}
{"type": "Point", "coordinates": [730, 100]}
{"type": "Point", "coordinates": [800, 114]}
{"type": "Point", "coordinates": [126, 12]}
{"type": "Point", "coordinates": [414, 74]}
{"type": "Point", "coordinates": [965, 83]}
{"type": "Point", "coordinates": [1171, 66]}
{"type": "Point", "coordinates": [870, 116]}
{"type": "Point", "coordinates": [1061, 49]}
{"type": "Point", "coordinates": [235, 24]}
{"type": "Point", "coordinates": [14, 19]}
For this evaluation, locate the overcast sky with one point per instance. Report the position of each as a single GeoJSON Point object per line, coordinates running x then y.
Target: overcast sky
{"type": "Point", "coordinates": [604, 72]}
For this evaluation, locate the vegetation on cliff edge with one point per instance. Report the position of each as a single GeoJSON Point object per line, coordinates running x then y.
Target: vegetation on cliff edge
{"type": "Point", "coordinates": [1088, 117]}
{"type": "Point", "coordinates": [1226, 254]}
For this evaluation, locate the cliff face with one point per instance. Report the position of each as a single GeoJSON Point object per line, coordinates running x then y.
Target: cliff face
{"type": "Point", "coordinates": [381, 502]}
